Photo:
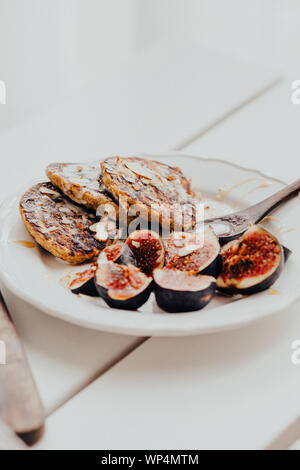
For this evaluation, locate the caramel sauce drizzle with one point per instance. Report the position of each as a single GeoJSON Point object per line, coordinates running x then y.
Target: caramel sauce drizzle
{"type": "Point", "coordinates": [25, 243]}
{"type": "Point", "coordinates": [273, 292]}
{"type": "Point", "coordinates": [223, 193]}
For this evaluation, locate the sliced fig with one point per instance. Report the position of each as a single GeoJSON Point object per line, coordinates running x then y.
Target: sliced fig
{"type": "Point", "coordinates": [148, 250]}
{"type": "Point", "coordinates": [123, 287]}
{"type": "Point", "coordinates": [194, 253]}
{"type": "Point", "coordinates": [118, 253]}
{"type": "Point", "coordinates": [83, 283]}
{"type": "Point", "coordinates": [178, 291]}
{"type": "Point", "coordinates": [251, 263]}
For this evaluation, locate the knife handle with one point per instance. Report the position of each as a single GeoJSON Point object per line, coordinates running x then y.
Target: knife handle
{"type": "Point", "coordinates": [20, 404]}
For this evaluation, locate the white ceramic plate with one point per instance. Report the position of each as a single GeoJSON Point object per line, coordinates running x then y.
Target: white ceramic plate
{"type": "Point", "coordinates": [34, 275]}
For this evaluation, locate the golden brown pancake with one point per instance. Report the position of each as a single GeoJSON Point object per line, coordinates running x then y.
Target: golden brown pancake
{"type": "Point", "coordinates": [58, 225]}
{"type": "Point", "coordinates": [153, 186]}
{"type": "Point", "coordinates": [81, 182]}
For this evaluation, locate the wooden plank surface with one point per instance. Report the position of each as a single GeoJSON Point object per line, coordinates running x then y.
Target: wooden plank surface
{"type": "Point", "coordinates": [263, 135]}
{"type": "Point", "coordinates": [64, 358]}
{"type": "Point", "coordinates": [233, 390]}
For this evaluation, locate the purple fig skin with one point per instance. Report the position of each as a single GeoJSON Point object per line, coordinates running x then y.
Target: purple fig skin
{"type": "Point", "coordinates": [215, 267]}
{"type": "Point", "coordinates": [173, 301]}
{"type": "Point", "coordinates": [88, 288]}
{"type": "Point", "coordinates": [132, 303]}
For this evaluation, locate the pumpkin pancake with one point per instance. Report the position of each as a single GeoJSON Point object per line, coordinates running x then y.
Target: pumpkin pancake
{"type": "Point", "coordinates": [160, 190]}
{"type": "Point", "coordinates": [58, 225]}
{"type": "Point", "coordinates": [81, 182]}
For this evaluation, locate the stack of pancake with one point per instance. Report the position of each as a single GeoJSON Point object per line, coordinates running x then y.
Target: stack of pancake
{"type": "Point", "coordinates": [67, 215]}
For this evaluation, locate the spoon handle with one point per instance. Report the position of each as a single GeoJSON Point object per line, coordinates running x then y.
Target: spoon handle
{"type": "Point", "coordinates": [261, 209]}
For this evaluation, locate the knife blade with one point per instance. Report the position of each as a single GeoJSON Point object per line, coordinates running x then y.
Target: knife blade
{"type": "Point", "coordinates": [20, 404]}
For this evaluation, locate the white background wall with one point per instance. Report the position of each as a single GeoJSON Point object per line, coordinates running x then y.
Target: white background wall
{"type": "Point", "coordinates": [264, 31]}
{"type": "Point", "coordinates": [50, 48]}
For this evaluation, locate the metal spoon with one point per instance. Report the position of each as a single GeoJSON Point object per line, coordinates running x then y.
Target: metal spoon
{"type": "Point", "coordinates": [233, 225]}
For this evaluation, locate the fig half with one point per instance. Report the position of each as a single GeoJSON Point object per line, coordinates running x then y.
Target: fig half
{"type": "Point", "coordinates": [122, 287]}
{"type": "Point", "coordinates": [251, 263]}
{"type": "Point", "coordinates": [178, 291]}
{"type": "Point", "coordinates": [148, 250]}
{"type": "Point", "coordinates": [83, 283]}
{"type": "Point", "coordinates": [194, 253]}
{"type": "Point", "coordinates": [118, 253]}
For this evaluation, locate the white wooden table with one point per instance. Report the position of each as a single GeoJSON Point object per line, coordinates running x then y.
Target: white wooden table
{"type": "Point", "coordinates": [232, 390]}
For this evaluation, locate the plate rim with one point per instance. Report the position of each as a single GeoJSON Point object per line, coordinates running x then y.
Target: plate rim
{"type": "Point", "coordinates": [153, 330]}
